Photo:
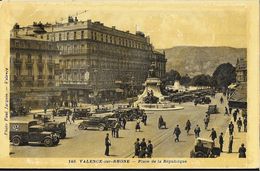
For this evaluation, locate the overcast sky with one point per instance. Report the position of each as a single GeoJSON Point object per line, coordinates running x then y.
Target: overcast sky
{"type": "Point", "coordinates": [168, 23]}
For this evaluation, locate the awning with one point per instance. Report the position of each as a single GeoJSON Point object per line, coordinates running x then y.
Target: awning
{"type": "Point", "coordinates": [238, 98]}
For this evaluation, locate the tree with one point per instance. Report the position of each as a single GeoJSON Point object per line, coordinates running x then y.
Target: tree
{"type": "Point", "coordinates": [171, 77]}
{"type": "Point", "coordinates": [224, 75]}
{"type": "Point", "coordinates": [185, 80]}
{"type": "Point", "coordinates": [201, 80]}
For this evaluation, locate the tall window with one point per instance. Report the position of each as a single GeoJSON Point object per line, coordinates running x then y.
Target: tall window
{"type": "Point", "coordinates": [68, 35]}
{"type": "Point", "coordinates": [40, 59]}
{"type": "Point", "coordinates": [60, 37]}
{"type": "Point", "coordinates": [82, 34]}
{"type": "Point", "coordinates": [92, 35]}
{"type": "Point", "coordinates": [17, 56]}
{"type": "Point", "coordinates": [75, 35]}
{"type": "Point", "coordinates": [29, 58]}
{"type": "Point", "coordinates": [47, 36]}
{"type": "Point", "coordinates": [102, 37]}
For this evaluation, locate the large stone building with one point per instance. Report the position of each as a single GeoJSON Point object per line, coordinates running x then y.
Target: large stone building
{"type": "Point", "coordinates": [32, 66]}
{"type": "Point", "coordinates": [99, 61]}
{"type": "Point", "coordinates": [238, 97]}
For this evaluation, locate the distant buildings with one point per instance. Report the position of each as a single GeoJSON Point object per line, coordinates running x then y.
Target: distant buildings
{"type": "Point", "coordinates": [94, 60]}
{"type": "Point", "coordinates": [238, 97]}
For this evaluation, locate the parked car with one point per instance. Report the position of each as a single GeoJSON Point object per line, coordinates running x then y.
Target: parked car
{"type": "Point", "coordinates": [202, 100]}
{"type": "Point", "coordinates": [63, 112]}
{"type": "Point", "coordinates": [204, 148]}
{"type": "Point", "coordinates": [212, 109]}
{"type": "Point", "coordinates": [30, 132]}
{"type": "Point", "coordinates": [82, 113]}
{"type": "Point", "coordinates": [48, 124]}
{"type": "Point", "coordinates": [101, 124]}
{"type": "Point", "coordinates": [130, 114]}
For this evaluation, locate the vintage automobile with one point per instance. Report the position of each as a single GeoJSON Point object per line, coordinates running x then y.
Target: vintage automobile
{"type": "Point", "coordinates": [45, 120]}
{"type": "Point", "coordinates": [212, 109]}
{"type": "Point", "coordinates": [30, 132]}
{"type": "Point", "coordinates": [202, 100]}
{"type": "Point", "coordinates": [204, 148]}
{"type": "Point", "coordinates": [82, 113]}
{"type": "Point", "coordinates": [130, 114]}
{"type": "Point", "coordinates": [63, 112]}
{"type": "Point", "coordinates": [101, 124]}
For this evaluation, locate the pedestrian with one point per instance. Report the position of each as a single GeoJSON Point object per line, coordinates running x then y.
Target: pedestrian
{"type": "Point", "coordinates": [143, 147]}
{"type": "Point", "coordinates": [239, 124]}
{"type": "Point", "coordinates": [226, 111]}
{"type": "Point", "coordinates": [235, 116]}
{"type": "Point", "coordinates": [245, 124]}
{"type": "Point", "coordinates": [113, 130]}
{"type": "Point", "coordinates": [231, 128]}
{"type": "Point", "coordinates": [221, 100]}
{"type": "Point", "coordinates": [149, 151]}
{"type": "Point", "coordinates": [206, 121]}
{"type": "Point", "coordinates": [188, 127]}
{"type": "Point", "coordinates": [124, 122]}
{"type": "Point", "coordinates": [197, 131]}
{"type": "Point", "coordinates": [230, 110]}
{"type": "Point", "coordinates": [161, 122]}
{"type": "Point", "coordinates": [137, 126]}
{"type": "Point", "coordinates": [68, 118]}
{"type": "Point", "coordinates": [144, 118]}
{"type": "Point", "coordinates": [221, 141]}
{"type": "Point", "coordinates": [177, 133]}
{"type": "Point", "coordinates": [213, 134]}
{"type": "Point", "coordinates": [117, 127]}
{"type": "Point", "coordinates": [107, 144]}
{"type": "Point", "coordinates": [137, 147]}
{"type": "Point", "coordinates": [230, 145]}
{"type": "Point", "coordinates": [242, 151]}
{"type": "Point", "coordinates": [73, 117]}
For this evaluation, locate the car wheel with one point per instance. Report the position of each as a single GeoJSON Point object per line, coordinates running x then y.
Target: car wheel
{"type": "Point", "coordinates": [199, 154]}
{"type": "Point", "coordinates": [16, 141]}
{"type": "Point", "coordinates": [56, 142]}
{"type": "Point", "coordinates": [101, 128]}
{"type": "Point", "coordinates": [81, 127]}
{"type": "Point", "coordinates": [48, 142]}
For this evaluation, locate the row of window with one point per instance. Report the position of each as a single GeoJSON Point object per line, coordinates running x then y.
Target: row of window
{"type": "Point", "coordinates": [29, 57]}
{"type": "Point", "coordinates": [33, 45]}
{"type": "Point", "coordinates": [97, 36]}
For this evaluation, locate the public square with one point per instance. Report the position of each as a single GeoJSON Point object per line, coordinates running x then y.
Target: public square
{"type": "Point", "coordinates": [91, 143]}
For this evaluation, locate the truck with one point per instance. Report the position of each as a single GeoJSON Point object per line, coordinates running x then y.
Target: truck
{"type": "Point", "coordinates": [44, 119]}
{"type": "Point", "coordinates": [27, 132]}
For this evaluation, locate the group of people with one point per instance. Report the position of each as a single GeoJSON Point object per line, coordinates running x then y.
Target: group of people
{"type": "Point", "coordinates": [115, 129]}
{"type": "Point", "coordinates": [143, 149]}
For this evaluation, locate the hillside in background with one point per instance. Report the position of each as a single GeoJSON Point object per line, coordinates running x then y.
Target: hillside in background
{"type": "Point", "coordinates": [200, 60]}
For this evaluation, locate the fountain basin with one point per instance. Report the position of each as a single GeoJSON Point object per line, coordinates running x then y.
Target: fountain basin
{"type": "Point", "coordinates": [159, 107]}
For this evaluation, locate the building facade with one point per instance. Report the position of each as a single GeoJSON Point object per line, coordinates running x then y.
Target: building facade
{"type": "Point", "coordinates": [241, 70]}
{"type": "Point", "coordinates": [99, 61]}
{"type": "Point", "coordinates": [32, 71]}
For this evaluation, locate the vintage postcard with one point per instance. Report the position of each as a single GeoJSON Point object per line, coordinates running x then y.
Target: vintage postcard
{"type": "Point", "coordinates": [129, 84]}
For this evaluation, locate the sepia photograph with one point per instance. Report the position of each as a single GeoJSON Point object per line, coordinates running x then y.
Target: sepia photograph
{"type": "Point", "coordinates": [129, 80]}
